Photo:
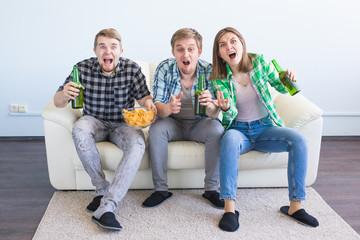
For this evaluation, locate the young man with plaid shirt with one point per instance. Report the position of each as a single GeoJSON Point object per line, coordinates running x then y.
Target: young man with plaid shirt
{"type": "Point", "coordinates": [111, 83]}
{"type": "Point", "coordinates": [175, 82]}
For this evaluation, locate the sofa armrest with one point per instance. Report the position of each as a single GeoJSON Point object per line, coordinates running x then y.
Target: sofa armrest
{"type": "Point", "coordinates": [58, 123]}
{"type": "Point", "coordinates": [296, 111]}
{"type": "Point", "coordinates": [64, 116]}
{"type": "Point", "coordinates": [301, 114]}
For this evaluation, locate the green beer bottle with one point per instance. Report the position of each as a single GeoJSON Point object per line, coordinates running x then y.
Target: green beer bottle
{"type": "Point", "coordinates": [199, 109]}
{"type": "Point", "coordinates": [290, 86]}
{"type": "Point", "coordinates": [78, 101]}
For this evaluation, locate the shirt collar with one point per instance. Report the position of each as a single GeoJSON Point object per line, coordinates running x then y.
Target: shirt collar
{"type": "Point", "coordinates": [176, 71]}
{"type": "Point", "coordinates": [229, 73]}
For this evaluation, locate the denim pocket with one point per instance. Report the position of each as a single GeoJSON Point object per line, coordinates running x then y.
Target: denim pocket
{"type": "Point", "coordinates": [266, 121]}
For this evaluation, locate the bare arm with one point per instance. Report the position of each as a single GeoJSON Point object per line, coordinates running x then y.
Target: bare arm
{"type": "Point", "coordinates": [166, 109]}
{"type": "Point", "coordinates": [62, 97]}
{"type": "Point", "coordinates": [163, 110]}
{"type": "Point", "coordinates": [212, 110]}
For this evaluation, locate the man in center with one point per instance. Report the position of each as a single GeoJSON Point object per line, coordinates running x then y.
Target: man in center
{"type": "Point", "coordinates": [175, 82]}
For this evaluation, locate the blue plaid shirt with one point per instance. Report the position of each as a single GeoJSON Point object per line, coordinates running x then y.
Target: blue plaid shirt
{"type": "Point", "coordinates": [167, 80]}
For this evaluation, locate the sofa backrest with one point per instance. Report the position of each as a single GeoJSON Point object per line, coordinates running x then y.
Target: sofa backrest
{"type": "Point", "coordinates": [148, 69]}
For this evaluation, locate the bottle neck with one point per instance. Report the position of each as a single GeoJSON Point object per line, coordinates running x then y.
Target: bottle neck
{"type": "Point", "coordinates": [277, 66]}
{"type": "Point", "coordinates": [201, 82]}
{"type": "Point", "coordinates": [75, 75]}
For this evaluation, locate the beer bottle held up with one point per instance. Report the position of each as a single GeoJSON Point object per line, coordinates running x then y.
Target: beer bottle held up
{"type": "Point", "coordinates": [199, 109]}
{"type": "Point", "coordinates": [78, 102]}
{"type": "Point", "coordinates": [290, 86]}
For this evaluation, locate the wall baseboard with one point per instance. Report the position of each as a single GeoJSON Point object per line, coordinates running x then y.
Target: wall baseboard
{"type": "Point", "coordinates": [41, 138]}
{"type": "Point", "coordinates": [23, 138]}
{"type": "Point", "coordinates": [341, 124]}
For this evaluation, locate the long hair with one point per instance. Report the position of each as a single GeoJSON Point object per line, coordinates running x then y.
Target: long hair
{"type": "Point", "coordinates": [219, 65]}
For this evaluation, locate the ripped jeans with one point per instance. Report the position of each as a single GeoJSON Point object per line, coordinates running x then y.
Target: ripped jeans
{"type": "Point", "coordinates": [89, 130]}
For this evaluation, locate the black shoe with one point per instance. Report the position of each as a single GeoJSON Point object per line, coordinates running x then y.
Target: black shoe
{"type": "Point", "coordinates": [229, 222]}
{"type": "Point", "coordinates": [156, 199]}
{"type": "Point", "coordinates": [108, 221]}
{"type": "Point", "coordinates": [94, 204]}
{"type": "Point", "coordinates": [215, 200]}
{"type": "Point", "coordinates": [301, 216]}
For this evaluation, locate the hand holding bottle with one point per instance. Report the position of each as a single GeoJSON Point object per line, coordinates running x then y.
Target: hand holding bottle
{"type": "Point", "coordinates": [291, 74]}
{"type": "Point", "coordinates": [205, 98]}
{"type": "Point", "coordinates": [175, 104]}
{"type": "Point", "coordinates": [77, 101]}
{"type": "Point", "coordinates": [71, 90]}
{"type": "Point", "coordinates": [287, 78]}
{"type": "Point", "coordinates": [199, 105]}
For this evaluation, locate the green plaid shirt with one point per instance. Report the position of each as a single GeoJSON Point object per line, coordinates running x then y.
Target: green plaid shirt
{"type": "Point", "coordinates": [263, 72]}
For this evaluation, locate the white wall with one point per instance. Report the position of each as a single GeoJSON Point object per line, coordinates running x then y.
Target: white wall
{"type": "Point", "coordinates": [42, 40]}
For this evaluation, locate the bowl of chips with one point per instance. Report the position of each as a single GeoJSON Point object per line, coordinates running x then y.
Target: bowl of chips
{"type": "Point", "coordinates": [138, 117]}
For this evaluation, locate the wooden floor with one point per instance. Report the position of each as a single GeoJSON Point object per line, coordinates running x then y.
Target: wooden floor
{"type": "Point", "coordinates": [25, 188]}
{"type": "Point", "coordinates": [338, 180]}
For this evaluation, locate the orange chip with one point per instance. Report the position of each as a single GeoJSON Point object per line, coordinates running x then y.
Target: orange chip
{"type": "Point", "coordinates": [139, 117]}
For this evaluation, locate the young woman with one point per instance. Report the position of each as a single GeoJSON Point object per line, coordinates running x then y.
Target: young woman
{"type": "Point", "coordinates": [251, 122]}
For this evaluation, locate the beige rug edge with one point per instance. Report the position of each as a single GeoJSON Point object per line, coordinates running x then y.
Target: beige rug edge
{"type": "Point", "coordinates": [188, 216]}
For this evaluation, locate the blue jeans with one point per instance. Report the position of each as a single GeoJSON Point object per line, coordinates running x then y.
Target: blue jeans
{"type": "Point", "coordinates": [262, 135]}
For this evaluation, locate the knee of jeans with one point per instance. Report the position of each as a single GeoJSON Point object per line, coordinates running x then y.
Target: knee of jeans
{"type": "Point", "coordinates": [298, 140]}
{"type": "Point", "coordinates": [216, 130]}
{"type": "Point", "coordinates": [81, 138]}
{"type": "Point", "coordinates": [82, 125]}
{"type": "Point", "coordinates": [159, 128]}
{"type": "Point", "coordinates": [230, 139]}
{"type": "Point", "coordinates": [136, 140]}
{"type": "Point", "coordinates": [153, 129]}
{"type": "Point", "coordinates": [79, 132]}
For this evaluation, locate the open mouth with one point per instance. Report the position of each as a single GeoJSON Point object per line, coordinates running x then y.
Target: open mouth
{"type": "Point", "coordinates": [186, 63]}
{"type": "Point", "coordinates": [108, 61]}
{"type": "Point", "coordinates": [232, 55]}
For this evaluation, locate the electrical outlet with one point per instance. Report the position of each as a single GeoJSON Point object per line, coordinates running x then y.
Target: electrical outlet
{"type": "Point", "coordinates": [22, 108]}
{"type": "Point", "coordinates": [14, 107]}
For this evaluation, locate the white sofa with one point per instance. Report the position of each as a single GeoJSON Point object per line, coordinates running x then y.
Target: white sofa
{"type": "Point", "coordinates": [186, 159]}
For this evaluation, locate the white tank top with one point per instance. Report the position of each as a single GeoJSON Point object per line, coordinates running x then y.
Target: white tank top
{"type": "Point", "coordinates": [248, 103]}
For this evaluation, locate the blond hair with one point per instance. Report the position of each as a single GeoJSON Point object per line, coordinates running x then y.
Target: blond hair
{"type": "Point", "coordinates": [186, 33]}
{"type": "Point", "coordinates": [109, 33]}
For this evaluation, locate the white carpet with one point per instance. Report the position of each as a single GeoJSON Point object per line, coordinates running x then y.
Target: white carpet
{"type": "Point", "coordinates": [188, 216]}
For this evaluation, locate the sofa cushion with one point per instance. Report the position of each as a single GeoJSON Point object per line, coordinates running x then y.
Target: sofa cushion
{"type": "Point", "coordinates": [191, 155]}
{"type": "Point", "coordinates": [186, 155]}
